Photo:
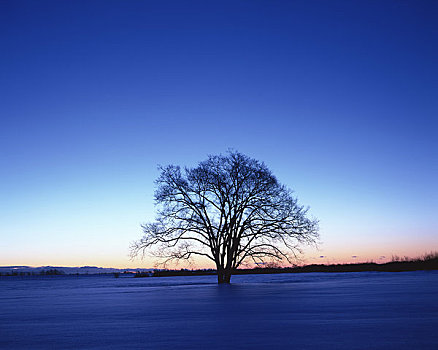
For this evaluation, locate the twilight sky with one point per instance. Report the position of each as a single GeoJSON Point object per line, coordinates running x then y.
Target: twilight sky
{"type": "Point", "coordinates": [338, 98]}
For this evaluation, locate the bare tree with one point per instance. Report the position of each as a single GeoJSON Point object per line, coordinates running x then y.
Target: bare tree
{"type": "Point", "coordinates": [230, 209]}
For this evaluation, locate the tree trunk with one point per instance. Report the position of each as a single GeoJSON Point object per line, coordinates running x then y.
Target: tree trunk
{"type": "Point", "coordinates": [223, 276]}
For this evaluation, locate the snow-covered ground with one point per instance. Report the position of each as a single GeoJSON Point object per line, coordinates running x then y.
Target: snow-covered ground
{"type": "Point", "coordinates": [366, 310]}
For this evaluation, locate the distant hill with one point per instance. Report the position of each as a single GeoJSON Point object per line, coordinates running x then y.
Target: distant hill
{"type": "Point", "coordinates": [64, 270]}
{"type": "Point", "coordinates": [426, 262]}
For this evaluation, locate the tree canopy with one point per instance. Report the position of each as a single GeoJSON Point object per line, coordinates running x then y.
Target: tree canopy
{"type": "Point", "coordinates": [230, 209]}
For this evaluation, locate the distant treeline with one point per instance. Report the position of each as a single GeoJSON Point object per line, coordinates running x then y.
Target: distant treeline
{"type": "Point", "coordinates": [427, 262]}
{"type": "Point", "coordinates": [182, 272]}
{"type": "Point", "coordinates": [51, 272]}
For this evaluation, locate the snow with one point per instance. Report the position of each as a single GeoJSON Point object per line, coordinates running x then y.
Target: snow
{"type": "Point", "coordinates": [365, 310]}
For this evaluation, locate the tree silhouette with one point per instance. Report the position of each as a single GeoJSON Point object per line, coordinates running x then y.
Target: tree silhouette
{"type": "Point", "coordinates": [230, 209]}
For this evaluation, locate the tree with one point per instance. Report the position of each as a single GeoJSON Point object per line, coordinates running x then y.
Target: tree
{"type": "Point", "coordinates": [230, 209]}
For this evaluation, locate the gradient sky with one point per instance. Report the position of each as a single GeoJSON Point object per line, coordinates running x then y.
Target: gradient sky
{"type": "Point", "coordinates": [338, 98]}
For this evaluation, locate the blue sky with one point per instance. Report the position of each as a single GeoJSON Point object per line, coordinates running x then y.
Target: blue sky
{"type": "Point", "coordinates": [338, 98]}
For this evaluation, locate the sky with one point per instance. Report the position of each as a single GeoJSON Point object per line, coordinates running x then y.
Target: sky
{"type": "Point", "coordinates": [338, 98]}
